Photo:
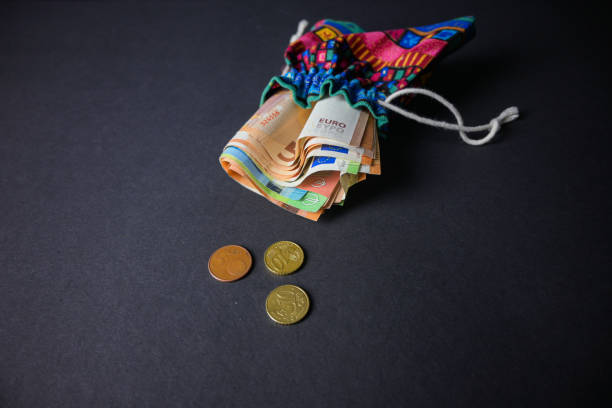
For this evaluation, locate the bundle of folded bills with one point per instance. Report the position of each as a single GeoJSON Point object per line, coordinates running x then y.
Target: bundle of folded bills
{"type": "Point", "coordinates": [304, 160]}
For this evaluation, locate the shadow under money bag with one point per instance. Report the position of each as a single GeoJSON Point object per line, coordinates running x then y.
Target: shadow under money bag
{"type": "Point", "coordinates": [410, 145]}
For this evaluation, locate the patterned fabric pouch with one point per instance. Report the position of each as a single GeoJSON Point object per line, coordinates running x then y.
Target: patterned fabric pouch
{"type": "Point", "coordinates": [338, 57]}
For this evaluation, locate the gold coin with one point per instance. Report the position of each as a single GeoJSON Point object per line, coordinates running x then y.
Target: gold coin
{"type": "Point", "coordinates": [284, 257]}
{"type": "Point", "coordinates": [287, 304]}
{"type": "Point", "coordinates": [229, 263]}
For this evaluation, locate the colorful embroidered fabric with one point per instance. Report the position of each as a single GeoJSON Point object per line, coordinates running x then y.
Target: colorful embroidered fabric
{"type": "Point", "coordinates": [338, 57]}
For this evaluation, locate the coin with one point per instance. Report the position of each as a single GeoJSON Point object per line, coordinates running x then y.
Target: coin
{"type": "Point", "coordinates": [229, 263]}
{"type": "Point", "coordinates": [284, 257]}
{"type": "Point", "coordinates": [287, 304]}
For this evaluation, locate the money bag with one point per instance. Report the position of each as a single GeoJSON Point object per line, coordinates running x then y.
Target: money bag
{"type": "Point", "coordinates": [315, 134]}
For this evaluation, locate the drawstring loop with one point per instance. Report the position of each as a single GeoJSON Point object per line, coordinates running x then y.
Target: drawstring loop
{"type": "Point", "coordinates": [507, 115]}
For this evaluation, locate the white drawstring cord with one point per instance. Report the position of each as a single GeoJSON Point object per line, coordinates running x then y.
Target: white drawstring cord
{"type": "Point", "coordinates": [300, 31]}
{"type": "Point", "coordinates": [301, 27]}
{"type": "Point", "coordinates": [493, 126]}
{"type": "Point", "coordinates": [508, 115]}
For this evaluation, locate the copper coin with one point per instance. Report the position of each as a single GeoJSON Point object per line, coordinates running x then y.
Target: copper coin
{"type": "Point", "coordinates": [229, 263]}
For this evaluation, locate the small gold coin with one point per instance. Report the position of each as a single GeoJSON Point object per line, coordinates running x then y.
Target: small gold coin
{"type": "Point", "coordinates": [229, 263]}
{"type": "Point", "coordinates": [287, 304]}
{"type": "Point", "coordinates": [284, 257]}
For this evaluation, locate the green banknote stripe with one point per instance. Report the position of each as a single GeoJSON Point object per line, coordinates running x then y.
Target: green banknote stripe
{"type": "Point", "coordinates": [311, 201]}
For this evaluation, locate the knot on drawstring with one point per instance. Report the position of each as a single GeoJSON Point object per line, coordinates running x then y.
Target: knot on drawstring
{"type": "Point", "coordinates": [508, 115]}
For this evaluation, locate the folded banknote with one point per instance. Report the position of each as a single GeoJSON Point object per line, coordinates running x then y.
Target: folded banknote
{"type": "Point", "coordinates": [303, 160]}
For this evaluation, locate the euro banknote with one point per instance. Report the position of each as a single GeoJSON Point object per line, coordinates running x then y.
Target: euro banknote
{"type": "Point", "coordinates": [303, 159]}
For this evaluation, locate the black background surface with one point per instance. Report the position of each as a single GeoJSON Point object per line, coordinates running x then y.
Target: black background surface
{"type": "Point", "coordinates": [460, 277]}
